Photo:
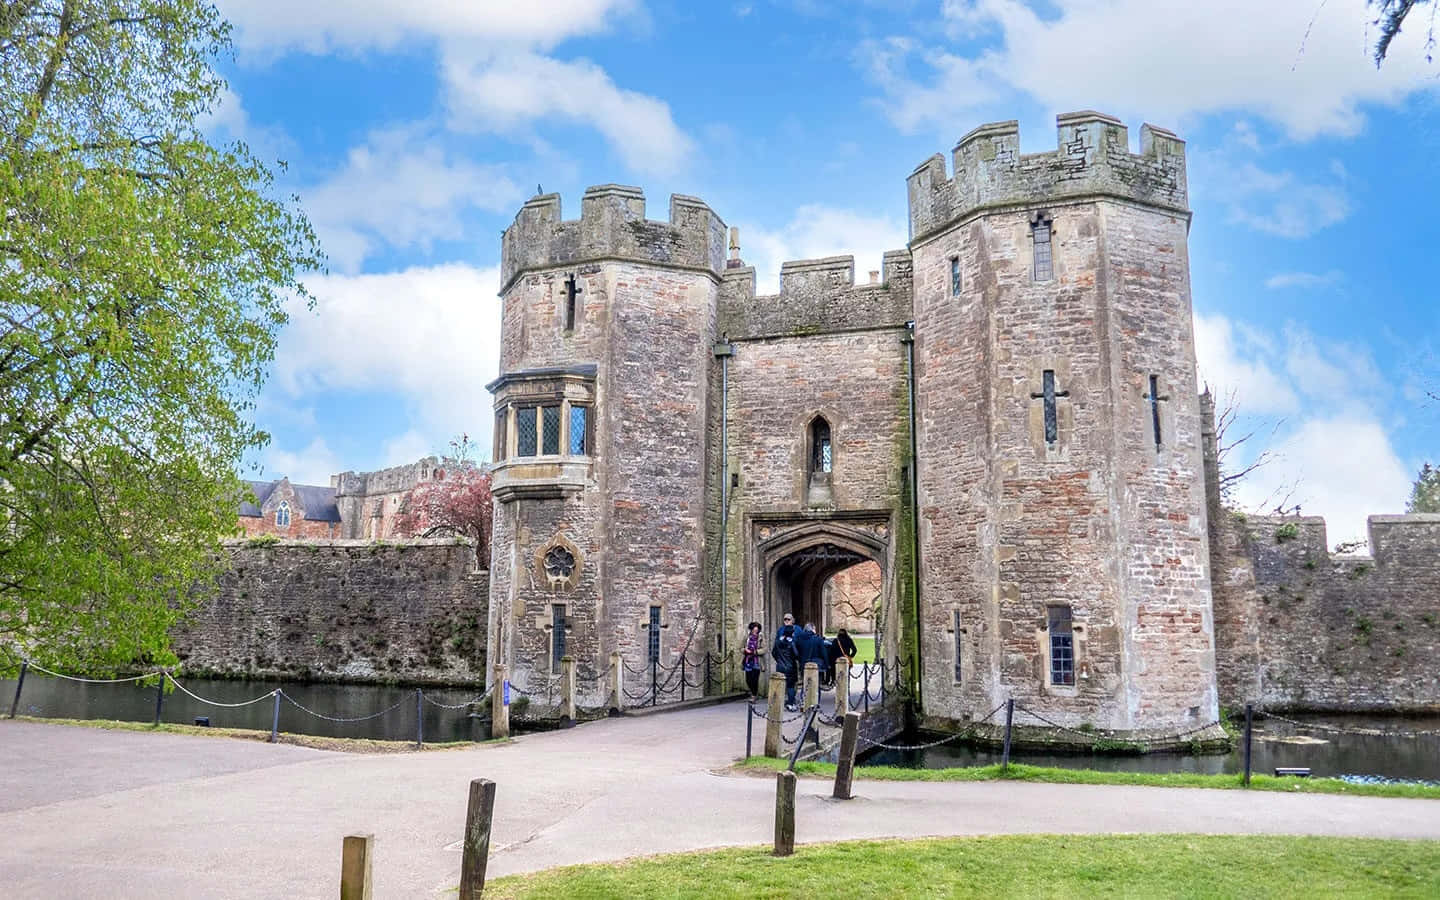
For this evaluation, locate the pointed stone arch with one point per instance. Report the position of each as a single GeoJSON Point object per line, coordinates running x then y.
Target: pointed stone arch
{"type": "Point", "coordinates": [793, 560]}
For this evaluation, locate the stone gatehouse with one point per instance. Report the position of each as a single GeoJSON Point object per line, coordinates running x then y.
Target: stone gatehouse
{"type": "Point", "coordinates": [1004, 421]}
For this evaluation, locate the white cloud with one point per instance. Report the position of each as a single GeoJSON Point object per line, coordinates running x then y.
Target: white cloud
{"type": "Point", "coordinates": [506, 92]}
{"type": "Point", "coordinates": [1281, 280]}
{"type": "Point", "coordinates": [1341, 468]}
{"type": "Point", "coordinates": [407, 447]}
{"type": "Point", "coordinates": [1315, 405]}
{"type": "Point", "coordinates": [314, 464]}
{"type": "Point", "coordinates": [1169, 60]}
{"type": "Point", "coordinates": [1238, 364]}
{"type": "Point", "coordinates": [402, 189]}
{"type": "Point", "coordinates": [321, 27]}
{"type": "Point", "coordinates": [1279, 203]}
{"type": "Point", "coordinates": [430, 335]}
{"type": "Point", "coordinates": [816, 231]}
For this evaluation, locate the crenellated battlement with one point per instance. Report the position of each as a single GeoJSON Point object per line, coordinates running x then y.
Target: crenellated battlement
{"type": "Point", "coordinates": [1092, 158]}
{"type": "Point", "coordinates": [1398, 541]}
{"type": "Point", "coordinates": [612, 225]}
{"type": "Point", "coordinates": [818, 295]}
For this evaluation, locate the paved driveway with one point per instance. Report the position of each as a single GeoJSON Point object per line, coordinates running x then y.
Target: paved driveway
{"type": "Point", "coordinates": [88, 813]}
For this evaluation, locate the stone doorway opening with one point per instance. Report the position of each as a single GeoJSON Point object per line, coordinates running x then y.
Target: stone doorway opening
{"type": "Point", "coordinates": [834, 573]}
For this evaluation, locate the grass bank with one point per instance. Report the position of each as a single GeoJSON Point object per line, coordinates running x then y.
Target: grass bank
{"type": "Point", "coordinates": [1016, 866]}
{"type": "Point", "coordinates": [317, 742]}
{"type": "Point", "coordinates": [1018, 772]}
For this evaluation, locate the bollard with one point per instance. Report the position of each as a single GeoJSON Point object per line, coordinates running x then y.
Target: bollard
{"type": "Point", "coordinates": [478, 816]}
{"type": "Point", "coordinates": [1249, 712]}
{"type": "Point", "coordinates": [19, 686]}
{"type": "Point", "coordinates": [355, 867]}
{"type": "Point", "coordinates": [1009, 718]}
{"type": "Point", "coordinates": [749, 724]}
{"type": "Point", "coordinates": [617, 682]}
{"type": "Point", "coordinates": [275, 720]}
{"type": "Point", "coordinates": [784, 813]}
{"type": "Point", "coordinates": [845, 765]}
{"type": "Point", "coordinates": [842, 686]}
{"type": "Point", "coordinates": [159, 696]}
{"type": "Point", "coordinates": [567, 690]}
{"type": "Point", "coordinates": [774, 712]}
{"type": "Point", "coordinates": [812, 686]}
{"type": "Point", "coordinates": [500, 705]}
{"type": "Point", "coordinates": [419, 719]}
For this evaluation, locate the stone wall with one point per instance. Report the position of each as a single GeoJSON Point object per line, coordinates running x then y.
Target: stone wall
{"type": "Point", "coordinates": [349, 611]}
{"type": "Point", "coordinates": [816, 295]}
{"type": "Point", "coordinates": [370, 501]}
{"type": "Point", "coordinates": [1307, 629]}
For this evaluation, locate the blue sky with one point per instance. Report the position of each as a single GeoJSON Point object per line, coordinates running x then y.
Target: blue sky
{"type": "Point", "coordinates": [413, 131]}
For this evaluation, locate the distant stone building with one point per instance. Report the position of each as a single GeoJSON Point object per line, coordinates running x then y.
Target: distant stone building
{"type": "Point", "coordinates": [355, 505]}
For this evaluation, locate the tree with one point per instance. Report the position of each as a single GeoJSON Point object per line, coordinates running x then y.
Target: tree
{"type": "Point", "coordinates": [456, 502]}
{"type": "Point", "coordinates": [1391, 16]}
{"type": "Point", "coordinates": [1425, 493]}
{"type": "Point", "coordinates": [144, 274]}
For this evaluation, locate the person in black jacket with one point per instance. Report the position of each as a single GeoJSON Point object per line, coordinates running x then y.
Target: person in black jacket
{"type": "Point", "coordinates": [841, 645]}
{"type": "Point", "coordinates": [786, 656]}
{"type": "Point", "coordinates": [811, 647]}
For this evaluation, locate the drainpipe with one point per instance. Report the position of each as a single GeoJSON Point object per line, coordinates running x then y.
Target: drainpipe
{"type": "Point", "coordinates": [908, 339]}
{"type": "Point", "coordinates": [723, 351]}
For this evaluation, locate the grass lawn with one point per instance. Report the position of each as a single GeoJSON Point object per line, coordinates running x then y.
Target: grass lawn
{"type": "Point", "coordinates": [1019, 772]}
{"type": "Point", "coordinates": [864, 649]}
{"type": "Point", "coordinates": [1016, 866]}
{"type": "Point", "coordinates": [317, 742]}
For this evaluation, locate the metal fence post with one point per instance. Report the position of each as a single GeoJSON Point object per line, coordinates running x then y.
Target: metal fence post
{"type": "Point", "coordinates": [1249, 712]}
{"type": "Point", "coordinates": [419, 719]}
{"type": "Point", "coordinates": [866, 672]}
{"type": "Point", "coordinates": [1009, 719]}
{"type": "Point", "coordinates": [654, 680]}
{"type": "Point", "coordinates": [19, 686]}
{"type": "Point", "coordinates": [160, 695]}
{"type": "Point", "coordinates": [275, 720]}
{"type": "Point", "coordinates": [749, 724]}
{"type": "Point", "coordinates": [682, 678]}
{"type": "Point", "coordinates": [707, 672]}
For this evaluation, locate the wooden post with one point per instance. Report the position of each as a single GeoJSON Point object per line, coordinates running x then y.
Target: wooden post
{"type": "Point", "coordinates": [812, 685]}
{"type": "Point", "coordinates": [500, 704]}
{"type": "Point", "coordinates": [478, 818]}
{"type": "Point", "coordinates": [1249, 713]}
{"type": "Point", "coordinates": [275, 720]}
{"type": "Point", "coordinates": [845, 765]}
{"type": "Point", "coordinates": [784, 813]}
{"type": "Point", "coordinates": [842, 687]}
{"type": "Point", "coordinates": [1009, 718]}
{"type": "Point", "coordinates": [617, 681]}
{"type": "Point", "coordinates": [567, 688]}
{"type": "Point", "coordinates": [774, 710]}
{"type": "Point", "coordinates": [355, 882]}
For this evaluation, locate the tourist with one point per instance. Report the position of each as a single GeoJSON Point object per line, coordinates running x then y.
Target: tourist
{"type": "Point", "coordinates": [750, 659]}
{"type": "Point", "coordinates": [786, 658]}
{"type": "Point", "coordinates": [811, 648]}
{"type": "Point", "coordinates": [846, 644]}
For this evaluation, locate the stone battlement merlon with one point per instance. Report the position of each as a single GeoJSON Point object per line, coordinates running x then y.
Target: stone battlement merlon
{"type": "Point", "coordinates": [612, 225]}
{"type": "Point", "coordinates": [1092, 158]}
{"type": "Point", "coordinates": [816, 296]}
{"type": "Point", "coordinates": [1395, 540]}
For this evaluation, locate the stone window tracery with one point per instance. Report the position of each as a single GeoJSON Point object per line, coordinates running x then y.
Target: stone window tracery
{"type": "Point", "coordinates": [559, 563]}
{"type": "Point", "coordinates": [282, 514]}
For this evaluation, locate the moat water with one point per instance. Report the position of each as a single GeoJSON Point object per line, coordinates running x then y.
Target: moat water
{"type": "Point", "coordinates": [1275, 744]}
{"type": "Point", "coordinates": [53, 698]}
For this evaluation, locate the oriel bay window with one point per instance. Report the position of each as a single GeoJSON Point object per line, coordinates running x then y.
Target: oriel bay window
{"type": "Point", "coordinates": [544, 429]}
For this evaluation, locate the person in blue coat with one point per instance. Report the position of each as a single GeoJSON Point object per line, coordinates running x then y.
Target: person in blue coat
{"type": "Point", "coordinates": [785, 653]}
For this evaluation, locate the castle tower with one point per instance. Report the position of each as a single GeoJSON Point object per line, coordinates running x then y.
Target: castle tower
{"type": "Point", "coordinates": [1063, 544]}
{"type": "Point", "coordinates": [600, 435]}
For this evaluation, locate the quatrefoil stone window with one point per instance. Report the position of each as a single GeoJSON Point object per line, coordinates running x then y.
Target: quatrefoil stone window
{"type": "Point", "coordinates": [559, 563]}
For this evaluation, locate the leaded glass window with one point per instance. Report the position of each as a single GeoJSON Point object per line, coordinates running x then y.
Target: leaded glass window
{"type": "Point", "coordinates": [549, 430]}
{"type": "Point", "coordinates": [821, 453]}
{"type": "Point", "coordinates": [1062, 646]}
{"type": "Point", "coordinates": [282, 514]}
{"type": "Point", "coordinates": [557, 635]}
{"type": "Point", "coordinates": [1041, 234]}
{"type": "Point", "coordinates": [525, 431]}
{"type": "Point", "coordinates": [954, 276]}
{"type": "Point", "coordinates": [579, 438]}
{"type": "Point", "coordinates": [654, 634]}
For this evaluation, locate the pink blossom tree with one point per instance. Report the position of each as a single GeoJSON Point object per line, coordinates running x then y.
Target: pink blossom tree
{"type": "Point", "coordinates": [457, 501]}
